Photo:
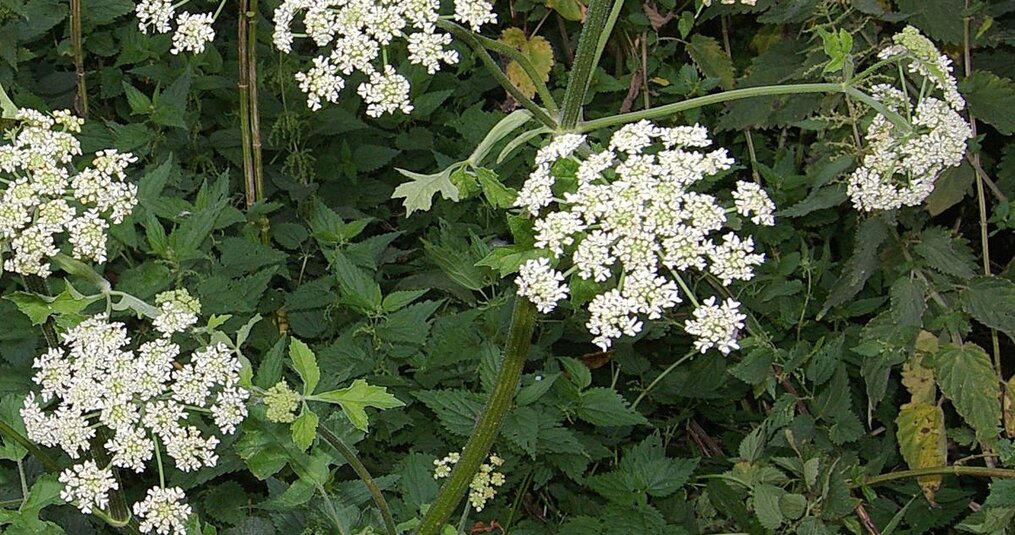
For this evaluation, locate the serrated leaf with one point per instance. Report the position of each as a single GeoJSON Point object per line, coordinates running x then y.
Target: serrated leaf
{"type": "Point", "coordinates": [968, 379]}
{"type": "Point", "coordinates": [419, 192]}
{"type": "Point", "coordinates": [864, 262]}
{"type": "Point", "coordinates": [605, 407]}
{"type": "Point", "coordinates": [765, 500]}
{"type": "Point", "coordinates": [991, 301]}
{"type": "Point", "coordinates": [943, 253]}
{"type": "Point", "coordinates": [304, 428]}
{"type": "Point", "coordinates": [496, 193]}
{"type": "Point", "coordinates": [400, 298]}
{"type": "Point", "coordinates": [7, 108]}
{"type": "Point", "coordinates": [358, 288]}
{"type": "Point", "coordinates": [457, 410]}
{"type": "Point", "coordinates": [991, 99]}
{"type": "Point", "coordinates": [950, 188]}
{"type": "Point", "coordinates": [305, 364]}
{"type": "Point", "coordinates": [539, 53]}
{"type": "Point", "coordinates": [711, 59]}
{"type": "Point", "coordinates": [355, 398]}
{"type": "Point", "coordinates": [921, 435]}
{"type": "Point", "coordinates": [939, 19]}
{"type": "Point", "coordinates": [909, 301]}
{"type": "Point", "coordinates": [40, 307]}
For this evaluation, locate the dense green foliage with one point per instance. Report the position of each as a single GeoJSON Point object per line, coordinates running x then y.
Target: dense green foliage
{"type": "Point", "coordinates": [876, 342]}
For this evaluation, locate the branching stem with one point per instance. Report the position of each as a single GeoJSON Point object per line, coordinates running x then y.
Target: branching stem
{"type": "Point", "coordinates": [350, 457]}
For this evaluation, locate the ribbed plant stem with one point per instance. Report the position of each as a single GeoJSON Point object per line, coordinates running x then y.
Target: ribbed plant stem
{"type": "Point", "coordinates": [350, 457]}
{"type": "Point", "coordinates": [76, 38]}
{"type": "Point", "coordinates": [584, 62]}
{"type": "Point", "coordinates": [523, 322]}
{"type": "Point", "coordinates": [737, 94]}
{"type": "Point", "coordinates": [243, 85]}
{"type": "Point", "coordinates": [34, 450]}
{"type": "Point", "coordinates": [978, 471]}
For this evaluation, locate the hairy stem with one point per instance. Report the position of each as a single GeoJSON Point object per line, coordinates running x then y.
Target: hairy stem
{"type": "Point", "coordinates": [81, 99]}
{"type": "Point", "coordinates": [513, 53]}
{"type": "Point", "coordinates": [357, 466]}
{"type": "Point", "coordinates": [523, 322]}
{"type": "Point", "coordinates": [470, 39]}
{"type": "Point", "coordinates": [662, 376]}
{"type": "Point", "coordinates": [44, 458]}
{"type": "Point", "coordinates": [977, 471]}
{"type": "Point", "coordinates": [737, 94]}
{"type": "Point", "coordinates": [584, 62]}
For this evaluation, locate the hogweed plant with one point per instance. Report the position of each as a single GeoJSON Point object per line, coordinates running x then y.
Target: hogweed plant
{"type": "Point", "coordinates": [620, 220]}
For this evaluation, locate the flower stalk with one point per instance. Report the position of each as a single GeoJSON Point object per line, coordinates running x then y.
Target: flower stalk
{"type": "Point", "coordinates": [585, 61]}
{"type": "Point", "coordinates": [523, 322]}
{"type": "Point", "coordinates": [81, 99]}
{"type": "Point", "coordinates": [350, 457]}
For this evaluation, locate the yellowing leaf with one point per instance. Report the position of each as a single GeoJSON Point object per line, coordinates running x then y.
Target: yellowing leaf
{"type": "Point", "coordinates": [921, 435]}
{"type": "Point", "coordinates": [919, 379]}
{"type": "Point", "coordinates": [539, 53]}
{"type": "Point", "coordinates": [1009, 407]}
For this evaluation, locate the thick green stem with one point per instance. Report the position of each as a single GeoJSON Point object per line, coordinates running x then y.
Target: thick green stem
{"type": "Point", "coordinates": [513, 53]}
{"type": "Point", "coordinates": [604, 35]}
{"type": "Point", "coordinates": [737, 94]}
{"type": "Point", "coordinates": [23, 441]}
{"type": "Point", "coordinates": [523, 322]}
{"type": "Point", "coordinates": [584, 62]}
{"type": "Point", "coordinates": [81, 102]}
{"type": "Point", "coordinates": [470, 39]}
{"type": "Point", "coordinates": [977, 471]}
{"type": "Point", "coordinates": [350, 457]}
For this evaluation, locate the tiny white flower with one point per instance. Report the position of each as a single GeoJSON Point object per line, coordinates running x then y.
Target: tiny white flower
{"type": "Point", "coordinates": [193, 32]}
{"type": "Point", "coordinates": [87, 486]}
{"type": "Point", "coordinates": [163, 511]}
{"type": "Point", "coordinates": [541, 284]}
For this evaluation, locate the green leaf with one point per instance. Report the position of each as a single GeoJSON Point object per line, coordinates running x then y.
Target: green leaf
{"type": "Point", "coordinates": [418, 193]}
{"type": "Point", "coordinates": [577, 372]}
{"type": "Point", "coordinates": [864, 262]}
{"type": "Point", "coordinates": [305, 363]}
{"type": "Point", "coordinates": [40, 307]}
{"type": "Point", "coordinates": [922, 441]}
{"type": "Point", "coordinates": [711, 59]}
{"type": "Point", "coordinates": [968, 379]}
{"type": "Point", "coordinates": [269, 371]}
{"type": "Point", "coordinates": [941, 20]}
{"type": "Point", "coordinates": [355, 398]}
{"type": "Point", "coordinates": [569, 9]}
{"type": "Point", "coordinates": [605, 407]}
{"type": "Point", "coordinates": [991, 301]}
{"type": "Point", "coordinates": [358, 288]}
{"type": "Point", "coordinates": [398, 299]}
{"type": "Point", "coordinates": [765, 500]}
{"type": "Point", "coordinates": [457, 410]}
{"type": "Point", "coordinates": [991, 99]}
{"type": "Point", "coordinates": [304, 428]}
{"type": "Point", "coordinates": [944, 253]}
{"type": "Point", "coordinates": [838, 47]}
{"type": "Point", "coordinates": [950, 188]}
{"type": "Point", "coordinates": [139, 103]}
{"type": "Point", "coordinates": [7, 108]}
{"type": "Point", "coordinates": [496, 193]}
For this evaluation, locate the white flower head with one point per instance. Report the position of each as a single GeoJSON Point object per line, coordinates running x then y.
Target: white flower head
{"type": "Point", "coordinates": [178, 311]}
{"type": "Point", "coordinates": [386, 92]}
{"type": "Point", "coordinates": [87, 486]}
{"type": "Point", "coordinates": [634, 222]}
{"type": "Point", "coordinates": [163, 511]}
{"type": "Point", "coordinates": [716, 325]}
{"type": "Point", "coordinates": [193, 32]}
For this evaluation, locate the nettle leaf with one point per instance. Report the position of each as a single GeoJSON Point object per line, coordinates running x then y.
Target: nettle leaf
{"type": "Point", "coordinates": [305, 364]}
{"type": "Point", "coordinates": [918, 378]}
{"type": "Point", "coordinates": [922, 441]}
{"type": "Point", "coordinates": [765, 501]}
{"type": "Point", "coordinates": [991, 99]}
{"type": "Point", "coordinates": [864, 262]}
{"type": "Point", "coordinates": [355, 398]}
{"type": "Point", "coordinates": [605, 407]}
{"type": "Point", "coordinates": [991, 301]}
{"type": "Point", "coordinates": [967, 378]}
{"type": "Point", "coordinates": [418, 193]}
{"type": "Point", "coordinates": [457, 410]}
{"type": "Point", "coordinates": [711, 59]}
{"type": "Point", "coordinates": [936, 18]}
{"type": "Point", "coordinates": [539, 53]}
{"type": "Point", "coordinates": [358, 288]}
{"type": "Point", "coordinates": [945, 254]}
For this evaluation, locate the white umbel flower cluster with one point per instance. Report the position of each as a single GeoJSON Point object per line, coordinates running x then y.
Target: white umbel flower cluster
{"type": "Point", "coordinates": [178, 311]}
{"type": "Point", "coordinates": [46, 197]}
{"type": "Point", "coordinates": [357, 36]}
{"type": "Point", "coordinates": [899, 168]}
{"type": "Point", "coordinates": [629, 214]}
{"type": "Point", "coordinates": [484, 484]}
{"type": "Point", "coordinates": [149, 400]}
{"type": "Point", "coordinates": [193, 31]}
